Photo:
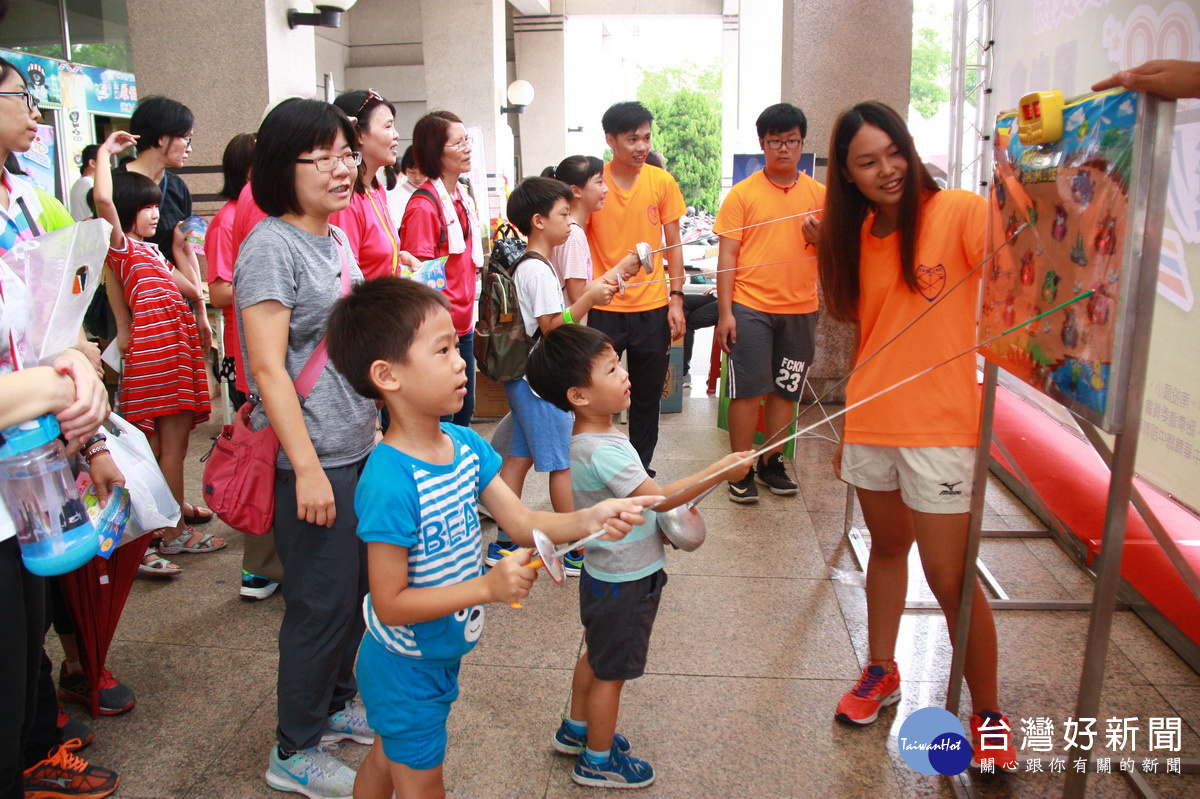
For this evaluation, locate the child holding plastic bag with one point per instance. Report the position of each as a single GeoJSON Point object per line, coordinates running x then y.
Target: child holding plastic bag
{"type": "Point", "coordinates": [164, 385]}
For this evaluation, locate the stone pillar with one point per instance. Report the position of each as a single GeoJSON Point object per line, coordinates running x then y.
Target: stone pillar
{"type": "Point", "coordinates": [225, 60]}
{"type": "Point", "coordinates": [837, 53]}
{"type": "Point", "coordinates": [539, 45]}
{"type": "Point", "coordinates": [464, 56]}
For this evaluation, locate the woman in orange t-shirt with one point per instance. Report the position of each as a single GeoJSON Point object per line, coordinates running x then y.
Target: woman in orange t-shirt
{"type": "Point", "coordinates": [892, 246]}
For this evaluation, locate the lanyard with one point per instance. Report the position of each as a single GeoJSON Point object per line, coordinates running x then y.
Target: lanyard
{"type": "Point", "coordinates": [386, 223]}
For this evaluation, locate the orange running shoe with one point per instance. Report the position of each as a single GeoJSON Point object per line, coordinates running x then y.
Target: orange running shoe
{"type": "Point", "coordinates": [65, 775]}
{"type": "Point", "coordinates": [876, 689]}
{"type": "Point", "coordinates": [992, 740]}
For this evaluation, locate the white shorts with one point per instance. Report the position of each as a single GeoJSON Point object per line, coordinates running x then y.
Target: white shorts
{"type": "Point", "coordinates": [930, 479]}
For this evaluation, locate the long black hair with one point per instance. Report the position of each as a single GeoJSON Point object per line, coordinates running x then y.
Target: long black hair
{"type": "Point", "coordinates": [839, 245]}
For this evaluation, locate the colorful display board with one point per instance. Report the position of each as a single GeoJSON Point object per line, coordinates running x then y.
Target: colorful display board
{"type": "Point", "coordinates": [1070, 46]}
{"type": "Point", "coordinates": [1074, 196]}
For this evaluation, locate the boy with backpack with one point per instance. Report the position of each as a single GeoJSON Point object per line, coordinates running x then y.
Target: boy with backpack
{"type": "Point", "coordinates": [541, 434]}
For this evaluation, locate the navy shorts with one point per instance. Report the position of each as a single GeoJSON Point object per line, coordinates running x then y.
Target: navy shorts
{"type": "Point", "coordinates": [617, 621]}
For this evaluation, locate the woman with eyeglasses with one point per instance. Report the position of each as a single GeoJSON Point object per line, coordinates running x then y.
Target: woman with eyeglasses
{"type": "Point", "coordinates": [32, 756]}
{"type": "Point", "coordinates": [368, 220]}
{"type": "Point", "coordinates": [439, 220]}
{"type": "Point", "coordinates": [164, 130]}
{"type": "Point", "coordinates": [289, 271]}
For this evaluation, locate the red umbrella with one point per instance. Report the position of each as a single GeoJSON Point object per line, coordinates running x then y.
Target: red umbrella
{"type": "Point", "coordinates": [96, 594]}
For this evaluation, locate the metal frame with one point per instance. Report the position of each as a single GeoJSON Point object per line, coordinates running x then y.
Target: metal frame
{"type": "Point", "coordinates": [1151, 155]}
{"type": "Point", "coordinates": [968, 168]}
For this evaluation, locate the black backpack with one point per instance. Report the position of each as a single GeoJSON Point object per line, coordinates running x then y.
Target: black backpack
{"type": "Point", "coordinates": [501, 344]}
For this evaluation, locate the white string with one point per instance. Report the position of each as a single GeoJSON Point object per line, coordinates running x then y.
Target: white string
{"type": "Point", "coordinates": [800, 413]}
{"type": "Point", "coordinates": [974, 347]}
{"type": "Point", "coordinates": [744, 227]}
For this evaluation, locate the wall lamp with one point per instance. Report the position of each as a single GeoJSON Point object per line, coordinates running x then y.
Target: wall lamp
{"type": "Point", "coordinates": [520, 94]}
{"type": "Point", "coordinates": [327, 15]}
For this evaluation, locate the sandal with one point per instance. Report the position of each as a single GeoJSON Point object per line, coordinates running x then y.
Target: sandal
{"type": "Point", "coordinates": [158, 566]}
{"type": "Point", "coordinates": [180, 544]}
{"type": "Point", "coordinates": [195, 514]}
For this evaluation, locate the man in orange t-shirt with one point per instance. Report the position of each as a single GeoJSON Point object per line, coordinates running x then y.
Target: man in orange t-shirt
{"type": "Point", "coordinates": [643, 204]}
{"type": "Point", "coordinates": [767, 293]}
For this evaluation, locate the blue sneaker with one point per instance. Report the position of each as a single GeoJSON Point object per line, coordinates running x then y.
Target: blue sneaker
{"type": "Point", "coordinates": [619, 771]}
{"type": "Point", "coordinates": [496, 550]}
{"type": "Point", "coordinates": [573, 563]}
{"type": "Point", "coordinates": [314, 772]}
{"type": "Point", "coordinates": [567, 743]}
{"type": "Point", "coordinates": [349, 724]}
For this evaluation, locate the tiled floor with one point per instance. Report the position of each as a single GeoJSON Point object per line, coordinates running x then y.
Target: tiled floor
{"type": "Point", "coordinates": [760, 632]}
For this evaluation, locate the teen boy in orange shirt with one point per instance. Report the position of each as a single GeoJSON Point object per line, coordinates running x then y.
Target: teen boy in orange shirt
{"type": "Point", "coordinates": [768, 302]}
{"type": "Point", "coordinates": [644, 204]}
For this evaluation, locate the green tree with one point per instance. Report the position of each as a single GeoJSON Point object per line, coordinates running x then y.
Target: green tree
{"type": "Point", "coordinates": [930, 82]}
{"type": "Point", "coordinates": [686, 103]}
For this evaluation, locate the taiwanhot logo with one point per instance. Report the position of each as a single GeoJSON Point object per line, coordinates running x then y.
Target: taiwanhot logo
{"type": "Point", "coordinates": [932, 741]}
{"type": "Point", "coordinates": [951, 489]}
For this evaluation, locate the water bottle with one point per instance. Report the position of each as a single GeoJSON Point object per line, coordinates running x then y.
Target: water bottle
{"type": "Point", "coordinates": [52, 523]}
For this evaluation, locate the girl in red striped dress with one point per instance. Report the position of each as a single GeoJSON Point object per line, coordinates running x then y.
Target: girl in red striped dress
{"type": "Point", "coordinates": [164, 385]}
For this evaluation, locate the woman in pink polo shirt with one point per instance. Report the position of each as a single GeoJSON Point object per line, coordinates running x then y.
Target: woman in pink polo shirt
{"type": "Point", "coordinates": [440, 220]}
{"type": "Point", "coordinates": [367, 221]}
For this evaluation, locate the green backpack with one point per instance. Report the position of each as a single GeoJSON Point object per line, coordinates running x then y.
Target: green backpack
{"type": "Point", "coordinates": [501, 344]}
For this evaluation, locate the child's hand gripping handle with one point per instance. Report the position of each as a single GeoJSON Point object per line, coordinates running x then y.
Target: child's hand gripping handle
{"type": "Point", "coordinates": [509, 572]}
{"type": "Point", "coordinates": [534, 564]}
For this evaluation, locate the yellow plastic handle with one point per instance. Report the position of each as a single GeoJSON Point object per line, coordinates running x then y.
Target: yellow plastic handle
{"type": "Point", "coordinates": [534, 564]}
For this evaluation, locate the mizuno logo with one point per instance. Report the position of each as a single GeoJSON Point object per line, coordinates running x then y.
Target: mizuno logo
{"type": "Point", "coordinates": [951, 489]}
{"type": "Point", "coordinates": [61, 782]}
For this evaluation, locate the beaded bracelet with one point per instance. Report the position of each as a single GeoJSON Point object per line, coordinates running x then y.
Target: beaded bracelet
{"type": "Point", "coordinates": [94, 451]}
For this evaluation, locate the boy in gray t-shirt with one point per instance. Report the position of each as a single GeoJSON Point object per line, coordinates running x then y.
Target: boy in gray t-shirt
{"type": "Point", "coordinates": [576, 368]}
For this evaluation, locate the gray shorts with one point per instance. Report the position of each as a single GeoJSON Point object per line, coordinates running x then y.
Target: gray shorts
{"type": "Point", "coordinates": [772, 354]}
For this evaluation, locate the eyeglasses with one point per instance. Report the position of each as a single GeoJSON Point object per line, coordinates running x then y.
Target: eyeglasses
{"type": "Point", "coordinates": [31, 102]}
{"type": "Point", "coordinates": [779, 144]}
{"type": "Point", "coordinates": [328, 163]}
{"type": "Point", "coordinates": [465, 144]}
{"type": "Point", "coordinates": [372, 96]}
{"type": "Point", "coordinates": [187, 141]}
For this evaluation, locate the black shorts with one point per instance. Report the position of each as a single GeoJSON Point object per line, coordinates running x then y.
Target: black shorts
{"type": "Point", "coordinates": [617, 620]}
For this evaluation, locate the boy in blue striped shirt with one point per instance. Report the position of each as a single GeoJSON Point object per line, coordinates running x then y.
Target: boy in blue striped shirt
{"type": "Point", "coordinates": [393, 340]}
{"type": "Point", "coordinates": [621, 583]}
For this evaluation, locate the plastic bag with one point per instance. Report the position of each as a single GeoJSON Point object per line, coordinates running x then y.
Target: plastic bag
{"type": "Point", "coordinates": [62, 270]}
{"type": "Point", "coordinates": [153, 504]}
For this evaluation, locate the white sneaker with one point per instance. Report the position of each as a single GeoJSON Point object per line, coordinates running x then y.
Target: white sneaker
{"type": "Point", "coordinates": [349, 723]}
{"type": "Point", "coordinates": [314, 772]}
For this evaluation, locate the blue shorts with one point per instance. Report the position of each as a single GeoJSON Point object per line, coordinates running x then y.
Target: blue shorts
{"type": "Point", "coordinates": [539, 430]}
{"type": "Point", "coordinates": [408, 702]}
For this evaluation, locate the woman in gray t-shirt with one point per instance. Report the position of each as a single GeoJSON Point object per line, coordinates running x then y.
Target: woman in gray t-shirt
{"type": "Point", "coordinates": [287, 276]}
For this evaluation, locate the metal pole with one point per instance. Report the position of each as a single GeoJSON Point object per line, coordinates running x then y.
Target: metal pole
{"type": "Point", "coordinates": [983, 456]}
{"type": "Point", "coordinates": [1152, 158]}
{"type": "Point", "coordinates": [958, 87]}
